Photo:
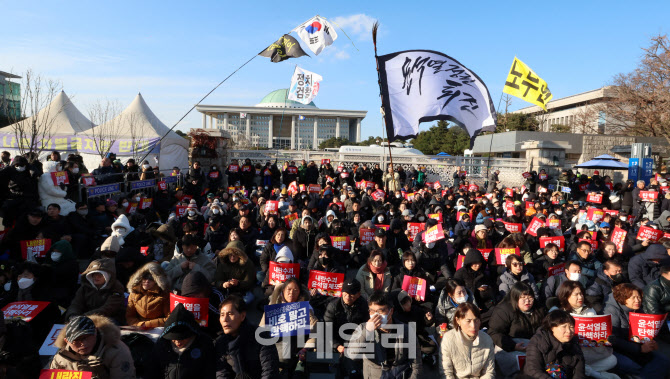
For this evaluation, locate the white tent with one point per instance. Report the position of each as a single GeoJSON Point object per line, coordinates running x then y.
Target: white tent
{"type": "Point", "coordinates": [137, 121]}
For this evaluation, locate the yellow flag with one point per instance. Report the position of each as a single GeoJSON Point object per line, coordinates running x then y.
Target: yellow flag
{"type": "Point", "coordinates": [523, 83]}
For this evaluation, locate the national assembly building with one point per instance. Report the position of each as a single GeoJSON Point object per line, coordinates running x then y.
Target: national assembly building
{"type": "Point", "coordinates": [279, 123]}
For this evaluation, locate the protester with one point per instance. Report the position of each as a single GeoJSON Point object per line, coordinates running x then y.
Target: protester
{"type": "Point", "coordinates": [466, 351]}
{"type": "Point", "coordinates": [149, 300]}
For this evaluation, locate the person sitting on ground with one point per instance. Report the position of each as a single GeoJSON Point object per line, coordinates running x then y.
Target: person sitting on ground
{"type": "Point", "coordinates": [149, 299]}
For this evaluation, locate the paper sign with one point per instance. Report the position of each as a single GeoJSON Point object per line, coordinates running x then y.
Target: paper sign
{"type": "Point", "coordinates": [145, 203]}
{"type": "Point", "coordinates": [556, 270]}
{"type": "Point", "coordinates": [288, 319]}
{"type": "Point", "coordinates": [385, 227]}
{"type": "Point", "coordinates": [534, 225]}
{"type": "Point", "coordinates": [509, 192]}
{"type": "Point", "coordinates": [199, 306]}
{"type": "Point", "coordinates": [48, 348]}
{"type": "Point", "coordinates": [618, 238]}
{"type": "Point", "coordinates": [595, 214]}
{"type": "Point", "coordinates": [314, 188]}
{"type": "Point", "coordinates": [326, 283]}
{"type": "Point", "coordinates": [281, 272]}
{"type": "Point", "coordinates": [290, 219]}
{"type": "Point", "coordinates": [594, 198]}
{"type": "Point", "coordinates": [271, 207]}
{"type": "Point", "coordinates": [554, 223]}
{"type": "Point", "coordinates": [437, 185]}
{"type": "Point", "coordinates": [37, 248]}
{"type": "Point", "coordinates": [485, 253]}
{"type": "Point", "coordinates": [611, 212]}
{"type": "Point", "coordinates": [64, 374]}
{"type": "Point", "coordinates": [414, 229]}
{"type": "Point", "coordinates": [436, 216]}
{"type": "Point", "coordinates": [649, 196]}
{"type": "Point", "coordinates": [132, 207]}
{"type": "Point", "coordinates": [503, 253]}
{"type": "Point", "coordinates": [414, 287]}
{"type": "Point", "coordinates": [526, 175]}
{"type": "Point", "coordinates": [644, 327]}
{"type": "Point", "coordinates": [88, 181]}
{"type": "Point", "coordinates": [521, 361]}
{"type": "Point", "coordinates": [214, 174]}
{"type": "Point", "coordinates": [556, 240]}
{"type": "Point", "coordinates": [366, 235]}
{"type": "Point", "coordinates": [181, 210]}
{"type": "Point", "coordinates": [651, 234]}
{"type": "Point", "coordinates": [231, 190]}
{"type": "Point", "coordinates": [233, 168]}
{"type": "Point", "coordinates": [341, 242]}
{"type": "Point", "coordinates": [583, 187]}
{"type": "Point", "coordinates": [543, 176]}
{"type": "Point", "coordinates": [433, 234]}
{"type": "Point", "coordinates": [593, 330]}
{"type": "Point", "coordinates": [378, 195]}
{"type": "Point", "coordinates": [473, 188]}
{"type": "Point", "coordinates": [325, 161]}
{"type": "Point", "coordinates": [459, 261]}
{"type": "Point", "coordinates": [162, 185]}
{"type": "Point", "coordinates": [24, 310]}
{"type": "Point", "coordinates": [59, 178]}
{"type": "Point", "coordinates": [513, 227]}
{"type": "Point", "coordinates": [144, 250]}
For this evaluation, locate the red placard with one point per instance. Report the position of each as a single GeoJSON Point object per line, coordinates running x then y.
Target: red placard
{"type": "Point", "coordinates": [385, 227]}
{"type": "Point", "coordinates": [361, 184]}
{"type": "Point", "coordinates": [199, 306]}
{"type": "Point", "coordinates": [595, 214]}
{"type": "Point", "coordinates": [409, 196]}
{"type": "Point", "coordinates": [554, 223]}
{"type": "Point", "coordinates": [340, 206]}
{"type": "Point", "coordinates": [366, 235]}
{"type": "Point", "coordinates": [502, 254]}
{"type": "Point", "coordinates": [290, 219]}
{"type": "Point", "coordinates": [292, 170]}
{"type": "Point", "coordinates": [556, 240]}
{"type": "Point", "coordinates": [593, 243]}
{"type": "Point", "coordinates": [64, 374]}
{"type": "Point", "coordinates": [664, 189]}
{"type": "Point", "coordinates": [325, 161]}
{"type": "Point", "coordinates": [583, 187]}
{"type": "Point", "coordinates": [145, 249]}
{"type": "Point", "coordinates": [610, 186]}
{"type": "Point", "coordinates": [326, 283]}
{"type": "Point", "coordinates": [459, 261]}
{"type": "Point", "coordinates": [378, 195]}
{"type": "Point", "coordinates": [181, 210]}
{"type": "Point", "coordinates": [462, 187]}
{"type": "Point", "coordinates": [651, 234]}
{"type": "Point", "coordinates": [526, 175]}
{"type": "Point", "coordinates": [280, 272]}
{"type": "Point", "coordinates": [214, 174]}
{"type": "Point", "coordinates": [38, 247]}
{"type": "Point", "coordinates": [428, 184]}
{"type": "Point", "coordinates": [649, 196]}
{"type": "Point", "coordinates": [132, 207]}
{"type": "Point", "coordinates": [513, 227]}
{"type": "Point", "coordinates": [59, 178]}
{"type": "Point", "coordinates": [344, 174]}
{"type": "Point", "coordinates": [593, 330]}
{"type": "Point", "coordinates": [509, 192]}
{"type": "Point", "coordinates": [436, 216]}
{"type": "Point", "coordinates": [618, 238]}
{"type": "Point", "coordinates": [594, 198]}
{"type": "Point", "coordinates": [233, 168]}
{"type": "Point", "coordinates": [292, 187]}
{"type": "Point", "coordinates": [146, 202]}
{"type": "Point", "coordinates": [473, 188]}
{"type": "Point", "coordinates": [341, 242]}
{"type": "Point", "coordinates": [611, 212]}
{"type": "Point", "coordinates": [271, 207]}
{"type": "Point", "coordinates": [534, 225]}
{"type": "Point", "coordinates": [460, 214]}
{"type": "Point", "coordinates": [162, 186]}
{"type": "Point", "coordinates": [414, 287]}
{"type": "Point", "coordinates": [542, 190]}
{"type": "Point", "coordinates": [556, 270]}
{"type": "Point", "coordinates": [314, 188]}
{"type": "Point", "coordinates": [644, 327]}
{"type": "Point", "coordinates": [485, 253]}
{"type": "Point", "coordinates": [433, 234]}
{"type": "Point", "coordinates": [414, 229]}
{"type": "Point", "coordinates": [339, 168]}
{"type": "Point", "coordinates": [437, 185]}
{"type": "Point", "coordinates": [302, 188]}
{"type": "Point", "coordinates": [24, 310]}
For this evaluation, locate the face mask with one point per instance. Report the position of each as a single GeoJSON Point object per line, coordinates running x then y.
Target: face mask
{"type": "Point", "coordinates": [20, 168]}
{"type": "Point", "coordinates": [83, 212]}
{"type": "Point", "coordinates": [191, 213]}
{"type": "Point", "coordinates": [137, 199]}
{"type": "Point", "coordinates": [8, 286]}
{"type": "Point", "coordinates": [421, 218]}
{"type": "Point", "coordinates": [461, 300]}
{"type": "Point", "coordinates": [124, 204]}
{"type": "Point", "coordinates": [56, 255]}
{"type": "Point", "coordinates": [214, 168]}
{"type": "Point", "coordinates": [75, 170]}
{"type": "Point", "coordinates": [485, 202]}
{"type": "Point", "coordinates": [391, 213]}
{"type": "Point", "coordinates": [618, 279]}
{"type": "Point", "coordinates": [559, 213]}
{"type": "Point", "coordinates": [430, 245]}
{"type": "Point", "coordinates": [25, 283]}
{"type": "Point", "coordinates": [234, 199]}
{"type": "Point", "coordinates": [398, 196]}
{"type": "Point", "coordinates": [146, 166]}
{"type": "Point", "coordinates": [574, 276]}
{"type": "Point", "coordinates": [380, 218]}
{"type": "Point", "coordinates": [215, 211]}
{"type": "Point", "coordinates": [325, 261]}
{"type": "Point", "coordinates": [385, 319]}
{"type": "Point", "coordinates": [624, 218]}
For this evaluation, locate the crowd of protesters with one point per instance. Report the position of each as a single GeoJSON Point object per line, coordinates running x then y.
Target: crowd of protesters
{"type": "Point", "coordinates": [215, 238]}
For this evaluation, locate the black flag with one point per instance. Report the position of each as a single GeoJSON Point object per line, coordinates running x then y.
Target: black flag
{"type": "Point", "coordinates": [286, 47]}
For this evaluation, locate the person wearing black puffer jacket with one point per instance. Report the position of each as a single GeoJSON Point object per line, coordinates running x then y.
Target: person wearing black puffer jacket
{"type": "Point", "coordinates": [656, 299]}
{"type": "Point", "coordinates": [473, 274]}
{"type": "Point", "coordinates": [644, 268]}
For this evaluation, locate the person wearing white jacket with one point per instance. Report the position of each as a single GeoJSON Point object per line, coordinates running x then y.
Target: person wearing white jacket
{"type": "Point", "coordinates": [51, 193]}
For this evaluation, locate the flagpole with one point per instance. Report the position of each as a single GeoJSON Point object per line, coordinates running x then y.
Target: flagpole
{"type": "Point", "coordinates": [375, 27]}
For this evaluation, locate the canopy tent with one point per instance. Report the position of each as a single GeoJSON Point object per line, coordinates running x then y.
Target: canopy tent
{"type": "Point", "coordinates": [137, 126]}
{"type": "Point", "coordinates": [603, 162]}
{"type": "Point", "coordinates": [443, 154]}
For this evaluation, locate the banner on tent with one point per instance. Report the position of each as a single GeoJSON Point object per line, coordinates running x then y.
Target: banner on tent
{"type": "Point", "coordinates": [84, 144]}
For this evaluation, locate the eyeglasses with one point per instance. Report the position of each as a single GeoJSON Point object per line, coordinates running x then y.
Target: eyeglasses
{"type": "Point", "coordinates": [517, 264]}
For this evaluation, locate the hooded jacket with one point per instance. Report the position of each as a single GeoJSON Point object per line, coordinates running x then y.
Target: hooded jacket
{"type": "Point", "coordinates": [244, 356]}
{"type": "Point", "coordinates": [243, 270]}
{"type": "Point", "coordinates": [148, 308]}
{"type": "Point", "coordinates": [110, 359]}
{"type": "Point", "coordinates": [472, 279]}
{"type": "Point", "coordinates": [107, 301]}
{"type": "Point", "coordinates": [641, 270]}
{"type": "Point", "coordinates": [164, 242]}
{"type": "Point", "coordinates": [446, 308]}
{"type": "Point", "coordinates": [544, 349]}
{"type": "Point", "coordinates": [656, 299]}
{"type": "Point", "coordinates": [60, 277]}
{"type": "Point", "coordinates": [202, 263]}
{"type": "Point", "coordinates": [303, 241]}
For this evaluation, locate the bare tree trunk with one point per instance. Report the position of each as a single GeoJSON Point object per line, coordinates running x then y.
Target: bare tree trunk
{"type": "Point", "coordinates": [105, 133]}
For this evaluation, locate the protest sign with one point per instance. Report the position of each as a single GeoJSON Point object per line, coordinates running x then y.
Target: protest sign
{"type": "Point", "coordinates": [433, 234]}
{"type": "Point", "coordinates": [583, 187]}
{"type": "Point", "coordinates": [90, 181]}
{"type": "Point", "coordinates": [651, 234]}
{"type": "Point", "coordinates": [64, 374]}
{"type": "Point", "coordinates": [48, 347]}
{"type": "Point", "coordinates": [144, 250]}
{"type": "Point", "coordinates": [132, 207]}
{"type": "Point", "coordinates": [503, 253]}
{"type": "Point", "coordinates": [459, 261]}
{"type": "Point", "coordinates": [526, 175]}
{"type": "Point", "coordinates": [271, 207]}
{"type": "Point", "coordinates": [556, 270]}
{"type": "Point", "coordinates": [611, 212]}
{"type": "Point", "coordinates": [367, 235]}
{"type": "Point", "coordinates": [24, 310]}
{"type": "Point", "coordinates": [414, 286]}
{"type": "Point", "coordinates": [534, 225]}
{"type": "Point", "coordinates": [341, 242]}
{"type": "Point", "coordinates": [485, 253]}
{"type": "Point", "coordinates": [181, 210]}
{"type": "Point", "coordinates": [554, 223]}
{"type": "Point", "coordinates": [644, 327]}
{"type": "Point", "coordinates": [594, 198]}
{"type": "Point", "coordinates": [162, 186]}
{"type": "Point", "coordinates": [146, 202]}
{"type": "Point", "coordinates": [595, 214]}
{"type": "Point", "coordinates": [593, 330]}
{"type": "Point", "coordinates": [59, 178]}
{"type": "Point", "coordinates": [290, 219]}
{"type": "Point", "coordinates": [414, 229]}
{"type": "Point", "coordinates": [378, 195]}
{"type": "Point", "coordinates": [199, 306]}
{"type": "Point", "coordinates": [509, 192]}
{"type": "Point", "coordinates": [385, 227]}
{"type": "Point", "coordinates": [326, 283]}
{"type": "Point", "coordinates": [280, 272]}
{"type": "Point", "coordinates": [314, 188]}
{"type": "Point", "coordinates": [513, 227]}
{"type": "Point", "coordinates": [288, 319]}
{"type": "Point", "coordinates": [325, 161]}
{"type": "Point", "coordinates": [556, 240]}
{"type": "Point", "coordinates": [649, 196]}
{"type": "Point", "coordinates": [473, 188]}
{"type": "Point", "coordinates": [36, 248]}
{"type": "Point", "coordinates": [436, 216]}
{"type": "Point", "coordinates": [618, 238]}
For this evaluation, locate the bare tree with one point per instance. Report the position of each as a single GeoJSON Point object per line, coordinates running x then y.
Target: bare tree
{"type": "Point", "coordinates": [138, 130]}
{"type": "Point", "coordinates": [102, 113]}
{"type": "Point", "coordinates": [34, 128]}
{"type": "Point", "coordinates": [640, 104]}
{"type": "Point", "coordinates": [586, 119]}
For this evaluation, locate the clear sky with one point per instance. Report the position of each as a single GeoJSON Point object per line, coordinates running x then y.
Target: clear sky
{"type": "Point", "coordinates": [174, 52]}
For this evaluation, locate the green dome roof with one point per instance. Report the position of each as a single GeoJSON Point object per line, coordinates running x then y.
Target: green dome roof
{"type": "Point", "coordinates": [277, 98]}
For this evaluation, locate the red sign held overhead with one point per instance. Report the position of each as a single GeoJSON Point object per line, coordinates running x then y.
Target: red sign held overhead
{"type": "Point", "coordinates": [502, 254]}
{"type": "Point", "coordinates": [326, 283]}
{"type": "Point", "coordinates": [534, 225]}
{"type": "Point", "coordinates": [595, 214]}
{"type": "Point", "coordinates": [473, 188]}
{"type": "Point", "coordinates": [513, 227]}
{"type": "Point", "coordinates": [271, 207]}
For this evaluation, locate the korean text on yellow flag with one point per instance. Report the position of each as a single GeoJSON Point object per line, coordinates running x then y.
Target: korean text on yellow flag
{"type": "Point", "coordinates": [523, 83]}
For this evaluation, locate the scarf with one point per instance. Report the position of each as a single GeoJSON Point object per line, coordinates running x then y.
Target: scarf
{"type": "Point", "coordinates": [378, 275]}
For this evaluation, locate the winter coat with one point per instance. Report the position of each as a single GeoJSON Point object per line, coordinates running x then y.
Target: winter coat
{"type": "Point", "coordinates": [50, 193]}
{"type": "Point", "coordinates": [472, 279]}
{"type": "Point", "coordinates": [392, 181]}
{"type": "Point", "coordinates": [544, 349]}
{"type": "Point", "coordinates": [506, 324]}
{"type": "Point", "coordinates": [656, 299]}
{"type": "Point", "coordinates": [446, 308]}
{"type": "Point", "coordinates": [244, 355]}
{"type": "Point", "coordinates": [108, 301]}
{"type": "Point", "coordinates": [303, 243]}
{"type": "Point", "coordinates": [599, 290]}
{"type": "Point", "coordinates": [462, 361]}
{"type": "Point", "coordinates": [270, 253]}
{"type": "Point", "coordinates": [366, 278]}
{"type": "Point", "coordinates": [243, 270]}
{"type": "Point", "coordinates": [590, 265]}
{"type": "Point", "coordinates": [164, 243]}
{"type": "Point", "coordinates": [197, 361]}
{"type": "Point", "coordinates": [339, 314]}
{"type": "Point", "coordinates": [641, 270]}
{"type": "Point", "coordinates": [202, 263]}
{"type": "Point", "coordinates": [110, 359]}
{"type": "Point", "coordinates": [507, 280]}
{"type": "Point", "coordinates": [60, 278]}
{"type": "Point", "coordinates": [620, 330]}
{"type": "Point", "coordinates": [433, 260]}
{"type": "Point", "coordinates": [148, 308]}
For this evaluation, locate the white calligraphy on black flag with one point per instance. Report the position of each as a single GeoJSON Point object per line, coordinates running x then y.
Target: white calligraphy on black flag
{"type": "Point", "coordinates": [422, 86]}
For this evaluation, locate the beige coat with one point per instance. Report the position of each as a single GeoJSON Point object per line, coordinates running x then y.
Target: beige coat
{"type": "Point", "coordinates": [457, 363]}
{"type": "Point", "coordinates": [148, 308]}
{"type": "Point", "coordinates": [367, 280]}
{"type": "Point", "coordinates": [111, 360]}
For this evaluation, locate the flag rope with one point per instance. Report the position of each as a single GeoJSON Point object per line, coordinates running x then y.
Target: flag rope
{"type": "Point", "coordinates": [345, 33]}
{"type": "Point", "coordinates": [375, 27]}
{"type": "Point", "coordinates": [282, 115]}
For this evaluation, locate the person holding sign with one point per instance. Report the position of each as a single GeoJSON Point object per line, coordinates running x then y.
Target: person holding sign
{"type": "Point", "coordinates": [473, 274]}
{"type": "Point", "coordinates": [93, 344]}
{"type": "Point", "coordinates": [324, 263]}
{"type": "Point", "coordinates": [406, 310]}
{"type": "Point", "coordinates": [235, 273]}
{"type": "Point", "coordinates": [555, 348]}
{"type": "Point", "coordinates": [641, 359]}
{"type": "Point", "coordinates": [409, 268]}
{"type": "Point", "coordinates": [549, 258]}
{"type": "Point", "coordinates": [374, 275]}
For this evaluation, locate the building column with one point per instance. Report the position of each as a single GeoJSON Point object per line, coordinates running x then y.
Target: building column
{"type": "Point", "coordinates": [225, 121]}
{"type": "Point", "coordinates": [211, 121]}
{"type": "Point", "coordinates": [270, 132]}
{"type": "Point", "coordinates": [204, 120]}
{"type": "Point", "coordinates": [248, 131]}
{"type": "Point", "coordinates": [358, 130]}
{"type": "Point", "coordinates": [314, 140]}
{"type": "Point", "coordinates": [337, 128]}
{"type": "Point", "coordinates": [292, 132]}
